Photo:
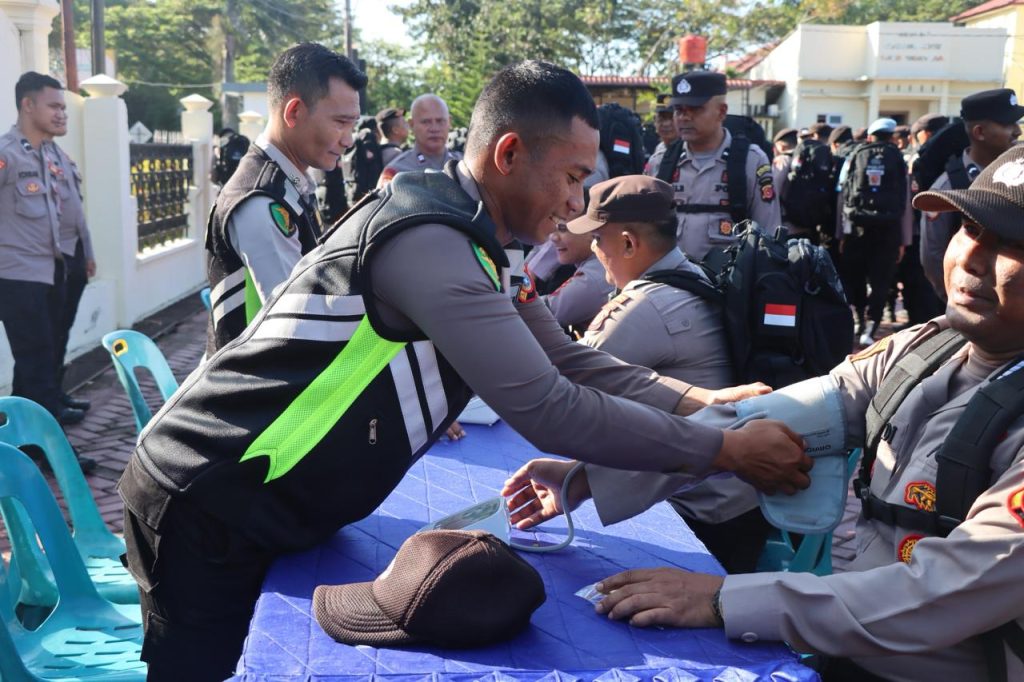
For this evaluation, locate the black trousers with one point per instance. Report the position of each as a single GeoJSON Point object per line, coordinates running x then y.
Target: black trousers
{"type": "Point", "coordinates": [198, 584]}
{"type": "Point", "coordinates": [28, 311]}
{"type": "Point", "coordinates": [919, 297]}
{"type": "Point", "coordinates": [67, 307]}
{"type": "Point", "coordinates": [869, 257]}
{"type": "Point", "coordinates": [736, 543]}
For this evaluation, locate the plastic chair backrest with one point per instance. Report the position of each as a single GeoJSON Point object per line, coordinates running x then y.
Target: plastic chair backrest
{"type": "Point", "coordinates": [130, 349]}
{"type": "Point", "coordinates": [80, 609]}
{"type": "Point", "coordinates": [204, 294]}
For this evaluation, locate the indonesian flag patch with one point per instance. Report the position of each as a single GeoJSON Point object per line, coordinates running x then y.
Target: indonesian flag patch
{"type": "Point", "coordinates": [620, 146]}
{"type": "Point", "coordinates": [778, 315]}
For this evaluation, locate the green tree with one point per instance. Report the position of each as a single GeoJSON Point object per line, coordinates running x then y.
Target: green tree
{"type": "Point", "coordinates": [396, 76]}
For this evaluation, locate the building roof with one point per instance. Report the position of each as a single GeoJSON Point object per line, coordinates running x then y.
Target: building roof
{"type": "Point", "coordinates": [753, 58]}
{"type": "Point", "coordinates": [985, 8]}
{"type": "Point", "coordinates": [656, 82]}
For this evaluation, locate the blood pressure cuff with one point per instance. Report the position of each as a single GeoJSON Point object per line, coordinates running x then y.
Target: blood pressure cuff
{"type": "Point", "coordinates": [814, 409]}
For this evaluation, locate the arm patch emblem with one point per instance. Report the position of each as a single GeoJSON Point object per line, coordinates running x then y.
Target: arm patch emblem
{"type": "Point", "coordinates": [282, 219]}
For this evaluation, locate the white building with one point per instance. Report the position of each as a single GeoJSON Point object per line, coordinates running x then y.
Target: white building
{"type": "Point", "coordinates": [854, 74]}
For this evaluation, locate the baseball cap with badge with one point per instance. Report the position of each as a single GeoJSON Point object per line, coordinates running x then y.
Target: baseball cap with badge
{"type": "Point", "coordinates": [450, 588]}
{"type": "Point", "coordinates": [995, 200]}
{"type": "Point", "coordinates": [694, 88]}
{"type": "Point", "coordinates": [626, 199]}
{"type": "Point", "coordinates": [992, 105]}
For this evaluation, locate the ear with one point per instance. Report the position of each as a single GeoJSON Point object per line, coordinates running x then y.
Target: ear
{"type": "Point", "coordinates": [978, 132]}
{"type": "Point", "coordinates": [630, 244]}
{"type": "Point", "coordinates": [292, 111]}
{"type": "Point", "coordinates": [508, 151]}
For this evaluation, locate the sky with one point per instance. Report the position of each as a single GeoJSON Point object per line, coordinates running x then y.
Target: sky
{"type": "Point", "coordinates": [376, 22]}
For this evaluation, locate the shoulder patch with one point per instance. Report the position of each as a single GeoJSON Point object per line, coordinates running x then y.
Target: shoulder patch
{"type": "Point", "coordinates": [282, 219]}
{"type": "Point", "coordinates": [906, 548]}
{"type": "Point", "coordinates": [487, 263]}
{"type": "Point", "coordinates": [528, 289]}
{"type": "Point", "coordinates": [1015, 505]}
{"type": "Point", "coordinates": [3, 164]}
{"type": "Point", "coordinates": [921, 494]}
{"type": "Point", "coordinates": [767, 193]}
{"type": "Point", "coordinates": [763, 169]}
{"type": "Point", "coordinates": [874, 349]}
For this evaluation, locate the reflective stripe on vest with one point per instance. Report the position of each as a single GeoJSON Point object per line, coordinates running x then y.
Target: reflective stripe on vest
{"type": "Point", "coordinates": [315, 411]}
{"type": "Point", "coordinates": [225, 296]}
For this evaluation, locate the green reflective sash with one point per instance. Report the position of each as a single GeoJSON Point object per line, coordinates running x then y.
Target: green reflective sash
{"type": "Point", "coordinates": [252, 298]}
{"type": "Point", "coordinates": [324, 401]}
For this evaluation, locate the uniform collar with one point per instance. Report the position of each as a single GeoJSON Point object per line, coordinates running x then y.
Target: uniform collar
{"type": "Point", "coordinates": [968, 161]}
{"type": "Point", "coordinates": [301, 181]}
{"type": "Point", "coordinates": [467, 181]}
{"type": "Point", "coordinates": [444, 156]}
{"type": "Point", "coordinates": [726, 141]}
{"type": "Point", "coordinates": [22, 140]}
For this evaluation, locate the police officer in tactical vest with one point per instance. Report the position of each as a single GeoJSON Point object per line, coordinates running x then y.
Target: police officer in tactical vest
{"type": "Point", "coordinates": [361, 360]}
{"type": "Point", "coordinates": [990, 118]}
{"type": "Point", "coordinates": [266, 216]}
{"type": "Point", "coordinates": [706, 201]}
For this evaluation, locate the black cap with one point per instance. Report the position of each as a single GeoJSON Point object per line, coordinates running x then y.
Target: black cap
{"type": "Point", "coordinates": [932, 123]}
{"type": "Point", "coordinates": [995, 200]}
{"type": "Point", "coordinates": [992, 105]}
{"type": "Point", "coordinates": [451, 588]}
{"type": "Point", "coordinates": [390, 112]}
{"type": "Point", "coordinates": [820, 128]}
{"type": "Point", "coordinates": [786, 134]}
{"type": "Point", "coordinates": [840, 134]}
{"type": "Point", "coordinates": [694, 88]}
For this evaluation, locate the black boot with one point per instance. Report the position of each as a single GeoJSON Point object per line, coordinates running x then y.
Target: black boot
{"type": "Point", "coordinates": [77, 403]}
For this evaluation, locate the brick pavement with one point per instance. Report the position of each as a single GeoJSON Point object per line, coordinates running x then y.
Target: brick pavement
{"type": "Point", "coordinates": [108, 432]}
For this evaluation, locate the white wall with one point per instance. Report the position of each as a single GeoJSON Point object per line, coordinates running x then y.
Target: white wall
{"type": "Point", "coordinates": [10, 69]}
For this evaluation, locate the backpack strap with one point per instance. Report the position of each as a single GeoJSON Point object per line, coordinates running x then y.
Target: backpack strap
{"type": "Point", "coordinates": [957, 172]}
{"type": "Point", "coordinates": [687, 281]}
{"type": "Point", "coordinates": [669, 161]}
{"type": "Point", "coordinates": [908, 373]}
{"type": "Point", "coordinates": [1012, 635]}
{"type": "Point", "coordinates": [963, 459]}
{"type": "Point", "coordinates": [736, 167]}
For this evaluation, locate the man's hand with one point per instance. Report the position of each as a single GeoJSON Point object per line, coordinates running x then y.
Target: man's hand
{"type": "Point", "coordinates": [768, 455]}
{"type": "Point", "coordinates": [661, 596]}
{"type": "Point", "coordinates": [697, 397]}
{"type": "Point", "coordinates": [90, 268]}
{"type": "Point", "coordinates": [455, 432]}
{"type": "Point", "coordinates": [536, 491]}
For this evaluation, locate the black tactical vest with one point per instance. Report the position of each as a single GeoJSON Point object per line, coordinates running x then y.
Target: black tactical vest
{"type": "Point", "coordinates": [261, 437]}
{"type": "Point", "coordinates": [257, 174]}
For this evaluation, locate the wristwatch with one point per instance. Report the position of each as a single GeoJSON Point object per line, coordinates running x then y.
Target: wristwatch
{"type": "Point", "coordinates": [716, 607]}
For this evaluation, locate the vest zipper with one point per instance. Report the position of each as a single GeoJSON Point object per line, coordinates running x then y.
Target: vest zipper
{"type": "Point", "coordinates": [373, 431]}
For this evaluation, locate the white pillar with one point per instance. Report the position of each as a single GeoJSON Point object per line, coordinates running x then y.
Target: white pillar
{"type": "Point", "coordinates": [110, 207]}
{"type": "Point", "coordinates": [197, 128]}
{"type": "Point", "coordinates": [872, 102]}
{"type": "Point", "coordinates": [944, 100]}
{"type": "Point", "coordinates": [33, 19]}
{"type": "Point", "coordinates": [251, 124]}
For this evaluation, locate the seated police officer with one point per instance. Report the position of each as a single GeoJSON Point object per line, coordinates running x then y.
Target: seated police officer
{"type": "Point", "coordinates": [940, 541]}
{"type": "Point", "coordinates": [659, 320]}
{"type": "Point", "coordinates": [360, 361]}
{"type": "Point", "coordinates": [578, 299]}
{"type": "Point", "coordinates": [266, 216]}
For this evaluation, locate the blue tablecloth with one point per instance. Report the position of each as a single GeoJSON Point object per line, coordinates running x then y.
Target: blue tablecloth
{"type": "Point", "coordinates": [566, 639]}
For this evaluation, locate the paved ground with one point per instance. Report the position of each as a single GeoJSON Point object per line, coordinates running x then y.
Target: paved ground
{"type": "Point", "coordinates": [108, 432]}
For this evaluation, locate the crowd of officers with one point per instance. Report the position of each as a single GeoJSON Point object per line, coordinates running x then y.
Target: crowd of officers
{"type": "Point", "coordinates": [232, 472]}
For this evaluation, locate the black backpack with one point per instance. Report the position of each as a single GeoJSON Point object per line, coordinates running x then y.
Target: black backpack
{"type": "Point", "coordinates": [744, 126]}
{"type": "Point", "coordinates": [942, 149]}
{"type": "Point", "coordinates": [785, 314]}
{"type": "Point", "coordinates": [875, 193]}
{"type": "Point", "coordinates": [811, 193]}
{"type": "Point", "coordinates": [231, 150]}
{"type": "Point", "coordinates": [362, 165]}
{"type": "Point", "coordinates": [622, 140]}
{"type": "Point", "coordinates": [331, 193]}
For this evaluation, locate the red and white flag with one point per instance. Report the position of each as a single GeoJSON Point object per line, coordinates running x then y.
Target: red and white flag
{"type": "Point", "coordinates": [779, 315]}
{"type": "Point", "coordinates": [620, 146]}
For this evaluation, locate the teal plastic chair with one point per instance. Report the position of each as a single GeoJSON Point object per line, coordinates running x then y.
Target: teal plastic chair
{"type": "Point", "coordinates": [25, 423]}
{"type": "Point", "coordinates": [85, 637]}
{"type": "Point", "coordinates": [130, 349]}
{"type": "Point", "coordinates": [814, 554]}
{"type": "Point", "coordinates": [204, 294]}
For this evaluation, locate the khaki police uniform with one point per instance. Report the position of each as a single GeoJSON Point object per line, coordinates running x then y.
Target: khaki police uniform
{"type": "Point", "coordinates": [702, 179]}
{"type": "Point", "coordinates": [580, 297]}
{"type": "Point", "coordinates": [31, 265]}
{"type": "Point", "coordinates": [413, 160]}
{"type": "Point", "coordinates": [909, 606]}
{"type": "Point", "coordinates": [938, 228]}
{"type": "Point", "coordinates": [654, 162]}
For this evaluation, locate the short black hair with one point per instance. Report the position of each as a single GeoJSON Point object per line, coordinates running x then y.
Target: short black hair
{"type": "Point", "coordinates": [31, 82]}
{"type": "Point", "coordinates": [305, 70]}
{"type": "Point", "coordinates": [883, 136]}
{"type": "Point", "coordinates": [664, 232]}
{"type": "Point", "coordinates": [533, 98]}
{"type": "Point", "coordinates": [388, 125]}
